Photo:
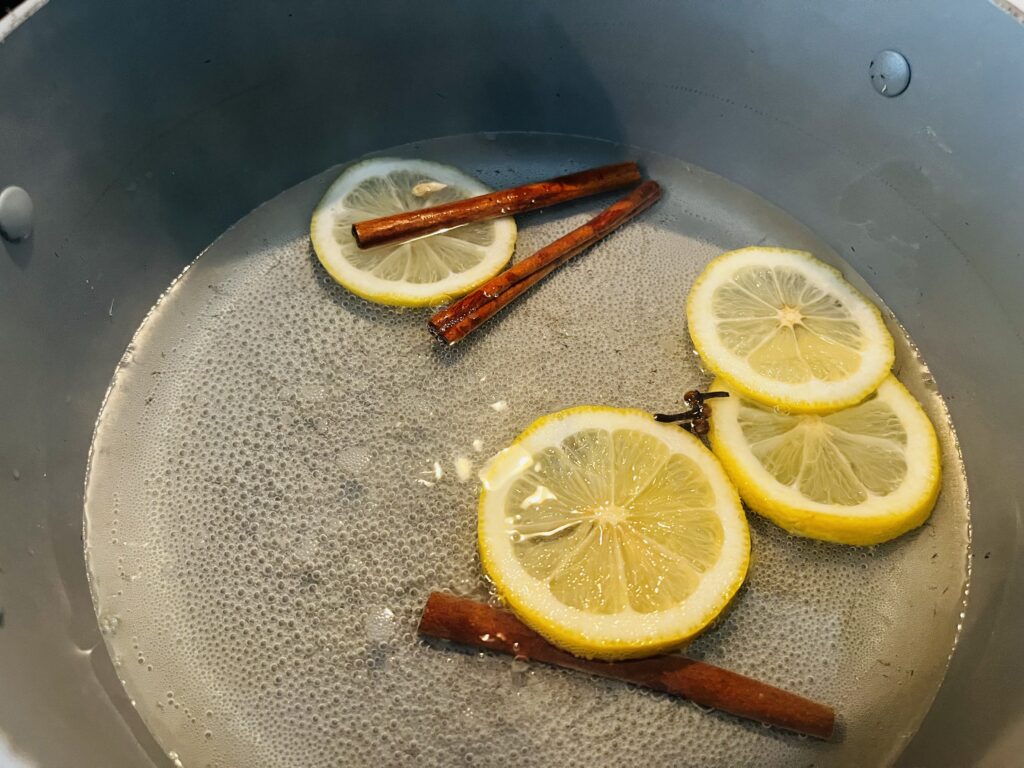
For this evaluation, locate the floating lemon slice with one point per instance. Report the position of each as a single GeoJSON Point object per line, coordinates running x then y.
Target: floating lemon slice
{"type": "Point", "coordinates": [788, 330]}
{"type": "Point", "coordinates": [862, 475]}
{"type": "Point", "coordinates": [422, 272]}
{"type": "Point", "coordinates": [610, 534]}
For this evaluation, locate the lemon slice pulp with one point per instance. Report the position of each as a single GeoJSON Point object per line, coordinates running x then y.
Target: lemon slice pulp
{"type": "Point", "coordinates": [861, 475]}
{"type": "Point", "coordinates": [610, 534]}
{"type": "Point", "coordinates": [423, 272]}
{"type": "Point", "coordinates": [786, 329]}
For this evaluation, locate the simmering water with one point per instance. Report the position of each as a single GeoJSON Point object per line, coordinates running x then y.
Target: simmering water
{"type": "Point", "coordinates": [282, 472]}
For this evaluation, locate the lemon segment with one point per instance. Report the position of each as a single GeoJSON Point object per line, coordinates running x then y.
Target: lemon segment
{"type": "Point", "coordinates": [786, 329]}
{"type": "Point", "coordinates": [423, 272]}
{"type": "Point", "coordinates": [862, 475]}
{"type": "Point", "coordinates": [610, 534]}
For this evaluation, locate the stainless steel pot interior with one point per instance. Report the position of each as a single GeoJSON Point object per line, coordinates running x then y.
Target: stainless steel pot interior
{"type": "Point", "coordinates": [271, 495]}
{"type": "Point", "coordinates": [142, 133]}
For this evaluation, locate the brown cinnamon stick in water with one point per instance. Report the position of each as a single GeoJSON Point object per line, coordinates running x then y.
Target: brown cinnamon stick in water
{"type": "Point", "coordinates": [454, 322]}
{"type": "Point", "coordinates": [468, 622]}
{"type": "Point", "coordinates": [506, 202]}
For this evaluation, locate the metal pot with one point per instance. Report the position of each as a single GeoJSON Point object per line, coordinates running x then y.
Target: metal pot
{"type": "Point", "coordinates": [140, 133]}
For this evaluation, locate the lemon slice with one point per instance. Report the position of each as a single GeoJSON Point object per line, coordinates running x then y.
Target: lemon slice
{"type": "Point", "coordinates": [610, 534]}
{"type": "Point", "coordinates": [862, 475]}
{"type": "Point", "coordinates": [788, 330]}
{"type": "Point", "coordinates": [422, 272]}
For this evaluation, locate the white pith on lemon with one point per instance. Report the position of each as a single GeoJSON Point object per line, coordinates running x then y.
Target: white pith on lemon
{"type": "Point", "coordinates": [862, 475]}
{"type": "Point", "coordinates": [610, 534]}
{"type": "Point", "coordinates": [786, 329]}
{"type": "Point", "coordinates": [423, 272]}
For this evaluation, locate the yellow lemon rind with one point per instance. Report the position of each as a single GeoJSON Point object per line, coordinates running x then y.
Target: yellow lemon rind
{"type": "Point", "coordinates": [813, 520]}
{"type": "Point", "coordinates": [793, 397]}
{"type": "Point", "coordinates": [395, 298]}
{"type": "Point", "coordinates": [573, 639]}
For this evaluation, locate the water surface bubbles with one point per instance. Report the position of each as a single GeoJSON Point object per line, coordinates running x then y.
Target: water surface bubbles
{"type": "Point", "coordinates": [267, 443]}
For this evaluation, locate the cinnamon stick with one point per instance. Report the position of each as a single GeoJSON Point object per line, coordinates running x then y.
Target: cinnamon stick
{"type": "Point", "coordinates": [455, 321]}
{"type": "Point", "coordinates": [470, 623]}
{"type": "Point", "coordinates": [506, 202]}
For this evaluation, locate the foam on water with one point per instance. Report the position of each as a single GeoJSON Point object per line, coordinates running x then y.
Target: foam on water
{"type": "Point", "coordinates": [282, 472]}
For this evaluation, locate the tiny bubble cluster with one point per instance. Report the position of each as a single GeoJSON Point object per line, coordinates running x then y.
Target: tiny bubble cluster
{"type": "Point", "coordinates": [282, 474]}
